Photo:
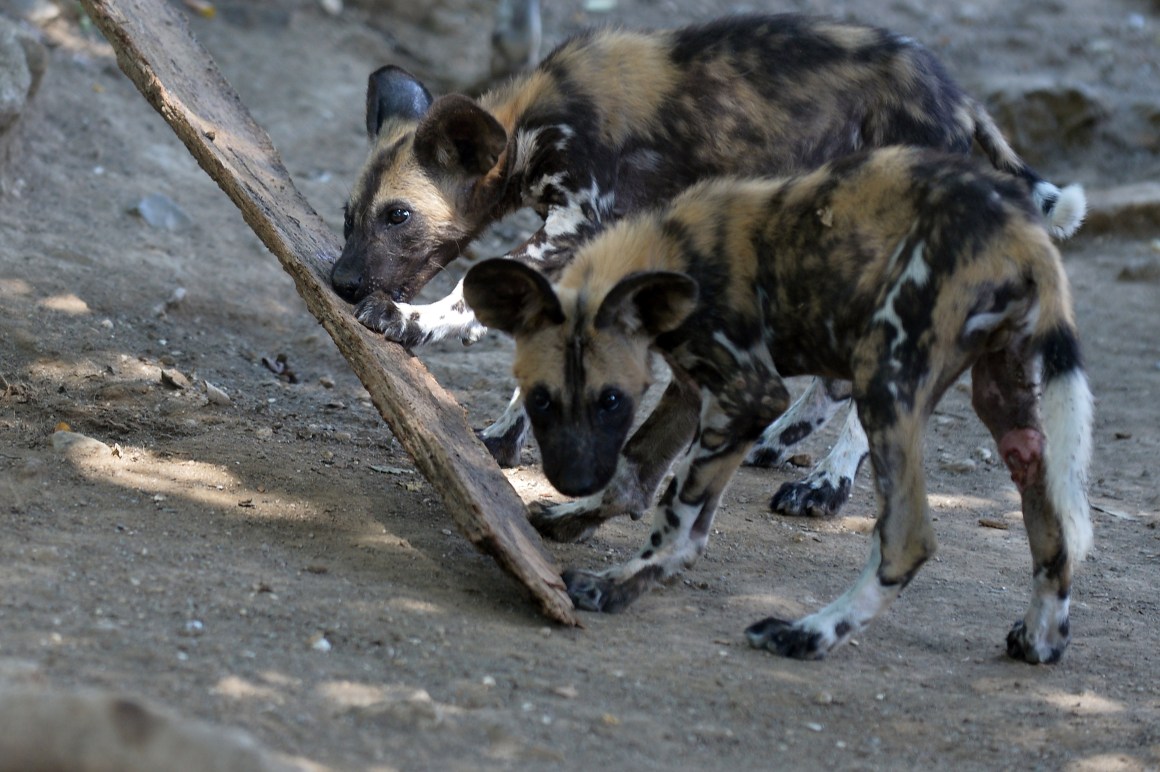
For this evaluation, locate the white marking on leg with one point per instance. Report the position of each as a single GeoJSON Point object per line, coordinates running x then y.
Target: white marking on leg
{"type": "Point", "coordinates": [1045, 620]}
{"type": "Point", "coordinates": [1067, 425]}
{"type": "Point", "coordinates": [447, 317]}
{"type": "Point", "coordinates": [843, 459]}
{"type": "Point", "coordinates": [813, 408]}
{"type": "Point", "coordinates": [850, 613]}
{"type": "Point", "coordinates": [512, 415]}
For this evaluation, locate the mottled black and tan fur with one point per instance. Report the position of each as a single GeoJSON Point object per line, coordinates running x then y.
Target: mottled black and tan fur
{"type": "Point", "coordinates": [616, 120]}
{"type": "Point", "coordinates": [895, 270]}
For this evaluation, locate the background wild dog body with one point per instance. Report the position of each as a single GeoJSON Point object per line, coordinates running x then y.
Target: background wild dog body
{"type": "Point", "coordinates": [895, 270]}
{"type": "Point", "coordinates": [615, 120]}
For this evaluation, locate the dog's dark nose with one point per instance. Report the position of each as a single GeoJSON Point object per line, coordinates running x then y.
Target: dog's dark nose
{"type": "Point", "coordinates": [577, 477]}
{"type": "Point", "coordinates": [346, 278]}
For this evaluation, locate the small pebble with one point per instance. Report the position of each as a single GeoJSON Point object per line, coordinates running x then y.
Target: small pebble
{"type": "Point", "coordinates": [174, 379]}
{"type": "Point", "coordinates": [193, 628]}
{"type": "Point", "coordinates": [962, 466]}
{"type": "Point", "coordinates": [215, 395]}
{"type": "Point", "coordinates": [160, 211]}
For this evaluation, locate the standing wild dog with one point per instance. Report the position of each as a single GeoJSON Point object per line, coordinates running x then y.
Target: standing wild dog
{"type": "Point", "coordinates": [612, 121]}
{"type": "Point", "coordinates": [895, 270]}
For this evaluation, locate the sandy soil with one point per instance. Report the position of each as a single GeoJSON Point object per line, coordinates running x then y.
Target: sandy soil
{"type": "Point", "coordinates": [276, 565]}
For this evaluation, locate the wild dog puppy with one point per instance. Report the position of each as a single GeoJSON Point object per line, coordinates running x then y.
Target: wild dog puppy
{"type": "Point", "coordinates": [612, 121]}
{"type": "Point", "coordinates": [895, 270]}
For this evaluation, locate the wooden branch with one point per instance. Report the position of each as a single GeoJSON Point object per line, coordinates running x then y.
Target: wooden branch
{"type": "Point", "coordinates": [177, 76]}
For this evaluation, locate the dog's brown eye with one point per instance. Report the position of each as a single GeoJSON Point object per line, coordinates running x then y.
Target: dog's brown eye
{"type": "Point", "coordinates": [398, 216]}
{"type": "Point", "coordinates": [610, 400]}
{"type": "Point", "coordinates": [539, 400]}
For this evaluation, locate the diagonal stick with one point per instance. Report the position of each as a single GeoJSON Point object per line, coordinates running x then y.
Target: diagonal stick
{"type": "Point", "coordinates": [177, 76]}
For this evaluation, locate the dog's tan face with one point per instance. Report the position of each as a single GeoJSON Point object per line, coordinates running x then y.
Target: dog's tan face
{"type": "Point", "coordinates": [433, 173]}
{"type": "Point", "coordinates": [581, 361]}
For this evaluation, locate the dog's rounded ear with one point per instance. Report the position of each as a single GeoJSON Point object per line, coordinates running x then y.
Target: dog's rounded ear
{"type": "Point", "coordinates": [654, 302]}
{"type": "Point", "coordinates": [457, 136]}
{"type": "Point", "coordinates": [511, 297]}
{"type": "Point", "coordinates": [394, 94]}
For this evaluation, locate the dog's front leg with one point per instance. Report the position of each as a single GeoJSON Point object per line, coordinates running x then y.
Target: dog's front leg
{"type": "Point", "coordinates": [825, 489]}
{"type": "Point", "coordinates": [684, 515]}
{"type": "Point", "coordinates": [418, 325]}
{"type": "Point", "coordinates": [902, 541]}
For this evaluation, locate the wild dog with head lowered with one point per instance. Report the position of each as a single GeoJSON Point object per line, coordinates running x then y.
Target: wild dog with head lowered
{"type": "Point", "coordinates": [615, 120]}
{"type": "Point", "coordinates": [895, 270]}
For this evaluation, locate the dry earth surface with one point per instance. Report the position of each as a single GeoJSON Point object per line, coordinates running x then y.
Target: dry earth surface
{"type": "Point", "coordinates": [268, 560]}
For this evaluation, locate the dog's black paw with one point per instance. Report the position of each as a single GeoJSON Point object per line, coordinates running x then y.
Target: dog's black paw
{"type": "Point", "coordinates": [381, 314]}
{"type": "Point", "coordinates": [1021, 646]}
{"type": "Point", "coordinates": [784, 638]}
{"type": "Point", "coordinates": [815, 496]}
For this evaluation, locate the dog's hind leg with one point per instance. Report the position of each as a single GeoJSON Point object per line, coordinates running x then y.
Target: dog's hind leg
{"type": "Point", "coordinates": [819, 403]}
{"type": "Point", "coordinates": [1044, 443]}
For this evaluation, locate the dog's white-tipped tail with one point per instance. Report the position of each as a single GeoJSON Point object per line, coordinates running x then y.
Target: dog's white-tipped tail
{"type": "Point", "coordinates": [1064, 209]}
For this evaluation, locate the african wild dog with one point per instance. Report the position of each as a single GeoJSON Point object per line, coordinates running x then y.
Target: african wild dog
{"type": "Point", "coordinates": [612, 121]}
{"type": "Point", "coordinates": [895, 270]}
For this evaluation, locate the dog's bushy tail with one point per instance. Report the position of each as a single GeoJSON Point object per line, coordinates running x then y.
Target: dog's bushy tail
{"type": "Point", "coordinates": [1066, 406]}
{"type": "Point", "coordinates": [1063, 208]}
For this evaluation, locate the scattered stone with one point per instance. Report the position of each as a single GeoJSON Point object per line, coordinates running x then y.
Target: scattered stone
{"type": "Point", "coordinates": [960, 466]}
{"type": "Point", "coordinates": [318, 642]}
{"type": "Point", "coordinates": [984, 455]}
{"type": "Point", "coordinates": [160, 211]}
{"type": "Point", "coordinates": [1125, 209]}
{"type": "Point", "coordinates": [326, 382]}
{"type": "Point", "coordinates": [69, 443]}
{"type": "Point", "coordinates": [193, 628]}
{"type": "Point", "coordinates": [999, 525]}
{"type": "Point", "coordinates": [1043, 117]}
{"type": "Point", "coordinates": [801, 460]}
{"type": "Point", "coordinates": [332, 7]}
{"type": "Point", "coordinates": [174, 379]}
{"type": "Point", "coordinates": [215, 395]}
{"type": "Point", "coordinates": [1140, 270]}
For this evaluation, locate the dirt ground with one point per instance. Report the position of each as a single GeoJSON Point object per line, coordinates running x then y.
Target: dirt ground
{"type": "Point", "coordinates": [276, 565]}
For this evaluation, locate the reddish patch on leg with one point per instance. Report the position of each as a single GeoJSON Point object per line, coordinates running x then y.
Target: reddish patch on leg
{"type": "Point", "coordinates": [1022, 451]}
